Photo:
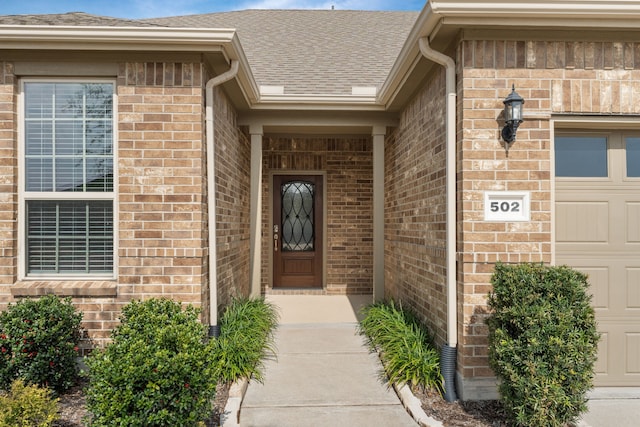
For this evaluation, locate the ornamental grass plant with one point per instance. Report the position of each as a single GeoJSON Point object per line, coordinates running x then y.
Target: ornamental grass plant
{"type": "Point", "coordinates": [405, 345]}
{"type": "Point", "coordinates": [542, 342]}
{"type": "Point", "coordinates": [246, 339]}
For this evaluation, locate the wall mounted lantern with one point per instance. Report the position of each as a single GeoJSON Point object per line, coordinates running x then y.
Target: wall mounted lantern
{"type": "Point", "coordinates": [512, 116]}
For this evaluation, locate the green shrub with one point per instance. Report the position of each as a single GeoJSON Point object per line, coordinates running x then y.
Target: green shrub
{"type": "Point", "coordinates": [542, 342]}
{"type": "Point", "coordinates": [157, 371]}
{"type": "Point", "coordinates": [246, 339]}
{"type": "Point", "coordinates": [39, 342]}
{"type": "Point", "coordinates": [405, 345]}
{"type": "Point", "coordinates": [27, 406]}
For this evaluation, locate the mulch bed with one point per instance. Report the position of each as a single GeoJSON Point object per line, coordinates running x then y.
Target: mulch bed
{"type": "Point", "coordinates": [73, 411]}
{"type": "Point", "coordinates": [485, 413]}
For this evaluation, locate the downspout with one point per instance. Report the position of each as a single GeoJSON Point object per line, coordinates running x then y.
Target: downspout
{"type": "Point", "coordinates": [449, 350]}
{"type": "Point", "coordinates": [214, 328]}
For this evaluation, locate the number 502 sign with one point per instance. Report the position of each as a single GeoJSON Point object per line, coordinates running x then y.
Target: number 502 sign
{"type": "Point", "coordinates": [507, 206]}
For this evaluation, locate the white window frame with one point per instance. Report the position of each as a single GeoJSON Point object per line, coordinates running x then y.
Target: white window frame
{"type": "Point", "coordinates": [24, 196]}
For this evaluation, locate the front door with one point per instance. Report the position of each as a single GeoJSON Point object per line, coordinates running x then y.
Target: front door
{"type": "Point", "coordinates": [297, 231]}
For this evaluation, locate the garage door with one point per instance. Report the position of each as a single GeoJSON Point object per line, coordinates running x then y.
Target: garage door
{"type": "Point", "coordinates": [598, 232]}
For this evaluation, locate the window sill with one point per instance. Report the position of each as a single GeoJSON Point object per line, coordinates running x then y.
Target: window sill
{"type": "Point", "coordinates": [65, 288]}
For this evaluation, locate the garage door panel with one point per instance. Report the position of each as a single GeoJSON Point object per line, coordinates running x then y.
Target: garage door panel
{"type": "Point", "coordinates": [602, 363]}
{"type": "Point", "coordinates": [633, 288]}
{"type": "Point", "coordinates": [633, 222]}
{"type": "Point", "coordinates": [633, 353]}
{"type": "Point", "coordinates": [598, 278]}
{"type": "Point", "coordinates": [618, 362]}
{"type": "Point", "coordinates": [597, 223]}
{"type": "Point", "coordinates": [583, 222]}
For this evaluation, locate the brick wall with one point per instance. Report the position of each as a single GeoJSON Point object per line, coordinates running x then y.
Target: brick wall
{"type": "Point", "coordinates": [348, 164]}
{"type": "Point", "coordinates": [578, 77]}
{"type": "Point", "coordinates": [8, 181]}
{"type": "Point", "coordinates": [415, 208]}
{"type": "Point", "coordinates": [160, 181]}
{"type": "Point", "coordinates": [233, 162]}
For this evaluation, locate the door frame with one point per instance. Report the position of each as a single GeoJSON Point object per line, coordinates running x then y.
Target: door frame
{"type": "Point", "coordinates": [269, 225]}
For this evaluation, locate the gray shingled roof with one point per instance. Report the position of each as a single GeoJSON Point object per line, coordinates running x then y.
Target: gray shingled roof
{"type": "Point", "coordinates": [306, 51]}
{"type": "Point", "coordinates": [312, 51]}
{"type": "Point", "coordinates": [72, 19]}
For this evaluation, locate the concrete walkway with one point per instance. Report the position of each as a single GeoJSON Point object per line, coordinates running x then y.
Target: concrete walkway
{"type": "Point", "coordinates": [324, 374]}
{"type": "Point", "coordinates": [615, 406]}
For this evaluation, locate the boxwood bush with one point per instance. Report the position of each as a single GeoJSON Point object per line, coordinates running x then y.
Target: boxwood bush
{"type": "Point", "coordinates": [39, 342]}
{"type": "Point", "coordinates": [405, 345]}
{"type": "Point", "coordinates": [542, 342]}
{"type": "Point", "coordinates": [157, 371]}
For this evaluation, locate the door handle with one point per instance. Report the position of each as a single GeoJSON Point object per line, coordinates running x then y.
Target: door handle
{"type": "Point", "coordinates": [275, 237]}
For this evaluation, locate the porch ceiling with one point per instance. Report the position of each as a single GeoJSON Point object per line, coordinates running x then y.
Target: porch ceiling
{"type": "Point", "coordinates": [309, 122]}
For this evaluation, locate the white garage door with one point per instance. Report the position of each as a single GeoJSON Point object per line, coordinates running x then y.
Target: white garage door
{"type": "Point", "coordinates": [598, 232]}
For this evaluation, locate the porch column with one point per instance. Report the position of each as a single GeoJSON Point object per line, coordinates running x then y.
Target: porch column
{"type": "Point", "coordinates": [255, 241]}
{"type": "Point", "coordinates": [378, 133]}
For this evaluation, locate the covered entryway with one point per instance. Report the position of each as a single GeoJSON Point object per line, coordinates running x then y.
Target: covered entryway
{"type": "Point", "coordinates": [297, 231]}
{"type": "Point", "coordinates": [598, 232]}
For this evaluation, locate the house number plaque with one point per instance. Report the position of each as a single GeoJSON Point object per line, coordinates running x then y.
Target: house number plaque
{"type": "Point", "coordinates": [507, 206]}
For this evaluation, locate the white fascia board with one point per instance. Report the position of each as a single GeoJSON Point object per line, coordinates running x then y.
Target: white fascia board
{"type": "Point", "coordinates": [318, 102]}
{"type": "Point", "coordinates": [113, 38]}
{"type": "Point", "coordinates": [547, 8]}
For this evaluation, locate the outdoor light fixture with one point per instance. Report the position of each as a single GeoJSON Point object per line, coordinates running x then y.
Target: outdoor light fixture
{"type": "Point", "coordinates": [512, 116]}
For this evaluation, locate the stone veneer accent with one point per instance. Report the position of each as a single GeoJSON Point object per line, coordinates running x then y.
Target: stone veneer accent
{"type": "Point", "coordinates": [348, 165]}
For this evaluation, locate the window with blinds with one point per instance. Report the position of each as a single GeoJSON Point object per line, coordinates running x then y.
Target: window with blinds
{"type": "Point", "coordinates": [68, 182]}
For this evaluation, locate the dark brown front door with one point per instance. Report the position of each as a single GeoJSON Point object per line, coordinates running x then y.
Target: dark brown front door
{"type": "Point", "coordinates": [297, 231]}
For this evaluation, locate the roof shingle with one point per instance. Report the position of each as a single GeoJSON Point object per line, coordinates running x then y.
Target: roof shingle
{"type": "Point", "coordinates": [325, 52]}
{"type": "Point", "coordinates": [313, 51]}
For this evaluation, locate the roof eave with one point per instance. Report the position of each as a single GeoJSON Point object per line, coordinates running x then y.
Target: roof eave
{"type": "Point", "coordinates": [318, 102]}
{"type": "Point", "coordinates": [112, 38]}
{"type": "Point", "coordinates": [223, 41]}
{"type": "Point", "coordinates": [592, 14]}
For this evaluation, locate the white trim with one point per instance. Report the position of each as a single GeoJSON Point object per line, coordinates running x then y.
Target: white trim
{"type": "Point", "coordinates": [378, 136]}
{"type": "Point", "coordinates": [23, 195]}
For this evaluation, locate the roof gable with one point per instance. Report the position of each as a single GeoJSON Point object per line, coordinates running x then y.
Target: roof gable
{"type": "Point", "coordinates": [328, 52]}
